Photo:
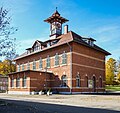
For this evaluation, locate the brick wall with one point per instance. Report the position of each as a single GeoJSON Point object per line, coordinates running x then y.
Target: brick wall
{"type": "Point", "coordinates": [87, 62]}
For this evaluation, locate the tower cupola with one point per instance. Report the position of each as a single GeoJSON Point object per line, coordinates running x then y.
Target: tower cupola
{"type": "Point", "coordinates": [56, 22]}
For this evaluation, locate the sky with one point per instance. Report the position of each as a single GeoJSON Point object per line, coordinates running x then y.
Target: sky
{"type": "Point", "coordinates": [99, 19]}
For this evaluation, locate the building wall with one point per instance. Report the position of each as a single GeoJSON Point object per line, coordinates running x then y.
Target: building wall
{"type": "Point", "coordinates": [21, 88]}
{"type": "Point", "coordinates": [87, 62]}
{"type": "Point", "coordinates": [58, 71]}
{"type": "Point", "coordinates": [38, 81]}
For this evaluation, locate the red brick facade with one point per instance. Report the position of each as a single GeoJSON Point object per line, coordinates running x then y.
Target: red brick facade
{"type": "Point", "coordinates": [80, 68]}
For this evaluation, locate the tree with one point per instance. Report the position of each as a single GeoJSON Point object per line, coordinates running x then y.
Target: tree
{"type": "Point", "coordinates": [110, 71]}
{"type": "Point", "coordinates": [7, 43]}
{"type": "Point", "coordinates": [118, 70]}
{"type": "Point", "coordinates": [6, 67]}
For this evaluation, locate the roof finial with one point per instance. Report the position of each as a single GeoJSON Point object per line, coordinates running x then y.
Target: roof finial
{"type": "Point", "coordinates": [56, 8]}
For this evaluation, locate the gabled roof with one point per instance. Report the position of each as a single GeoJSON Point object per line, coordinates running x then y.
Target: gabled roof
{"type": "Point", "coordinates": [37, 41]}
{"type": "Point", "coordinates": [66, 38]}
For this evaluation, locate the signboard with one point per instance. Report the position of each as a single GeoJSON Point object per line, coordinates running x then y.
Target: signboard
{"type": "Point", "coordinates": [90, 83]}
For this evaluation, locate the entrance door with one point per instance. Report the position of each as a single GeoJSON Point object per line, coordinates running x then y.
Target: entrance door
{"type": "Point", "coordinates": [94, 84]}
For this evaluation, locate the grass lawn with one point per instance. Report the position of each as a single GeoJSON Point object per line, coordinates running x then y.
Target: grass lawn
{"type": "Point", "coordinates": [113, 88]}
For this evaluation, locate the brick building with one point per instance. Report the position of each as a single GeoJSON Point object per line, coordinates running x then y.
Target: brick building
{"type": "Point", "coordinates": [67, 62]}
{"type": "Point", "coordinates": [3, 83]}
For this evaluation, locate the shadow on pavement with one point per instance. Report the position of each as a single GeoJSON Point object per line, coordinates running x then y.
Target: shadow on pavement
{"type": "Point", "coordinates": [16, 106]}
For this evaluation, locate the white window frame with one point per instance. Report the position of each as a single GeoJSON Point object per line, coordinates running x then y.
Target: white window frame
{"type": "Point", "coordinates": [12, 82]}
{"type": "Point", "coordinates": [18, 82]}
{"type": "Point", "coordinates": [48, 62]}
{"type": "Point", "coordinates": [24, 81]}
{"type": "Point", "coordinates": [18, 69]}
{"type": "Point", "coordinates": [64, 81]}
{"type": "Point", "coordinates": [34, 65]}
{"type": "Point", "coordinates": [28, 66]}
{"type": "Point", "coordinates": [64, 58]}
{"type": "Point", "coordinates": [56, 59]}
{"type": "Point", "coordinates": [40, 63]}
{"type": "Point", "coordinates": [23, 67]}
{"type": "Point", "coordinates": [78, 80]}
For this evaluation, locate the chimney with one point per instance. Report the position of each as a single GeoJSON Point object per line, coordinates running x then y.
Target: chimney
{"type": "Point", "coordinates": [65, 29]}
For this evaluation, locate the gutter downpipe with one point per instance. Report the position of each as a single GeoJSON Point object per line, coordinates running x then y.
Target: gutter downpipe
{"type": "Point", "coordinates": [70, 67]}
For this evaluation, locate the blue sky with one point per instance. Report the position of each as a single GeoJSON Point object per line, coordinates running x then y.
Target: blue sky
{"type": "Point", "coordinates": [99, 19]}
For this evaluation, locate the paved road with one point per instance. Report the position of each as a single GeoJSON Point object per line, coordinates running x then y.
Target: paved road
{"type": "Point", "coordinates": [17, 106]}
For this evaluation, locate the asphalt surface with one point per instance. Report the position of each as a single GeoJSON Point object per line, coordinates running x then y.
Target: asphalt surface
{"type": "Point", "coordinates": [17, 106]}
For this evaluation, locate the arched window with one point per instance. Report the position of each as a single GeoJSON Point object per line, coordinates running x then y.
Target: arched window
{"type": "Point", "coordinates": [24, 81]}
{"type": "Point", "coordinates": [86, 81]}
{"type": "Point", "coordinates": [77, 81]}
{"type": "Point", "coordinates": [56, 59]}
{"type": "Point", "coordinates": [28, 66]}
{"type": "Point", "coordinates": [18, 82]}
{"type": "Point", "coordinates": [40, 63]}
{"type": "Point", "coordinates": [22, 67]}
{"type": "Point", "coordinates": [48, 61]}
{"type": "Point", "coordinates": [34, 65]}
{"type": "Point", "coordinates": [12, 82]}
{"type": "Point", "coordinates": [94, 83]}
{"type": "Point", "coordinates": [64, 58]}
{"type": "Point", "coordinates": [100, 82]}
{"type": "Point", "coordinates": [64, 81]}
{"type": "Point", "coordinates": [18, 68]}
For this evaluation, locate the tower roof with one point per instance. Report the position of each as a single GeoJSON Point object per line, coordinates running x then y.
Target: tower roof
{"type": "Point", "coordinates": [56, 18]}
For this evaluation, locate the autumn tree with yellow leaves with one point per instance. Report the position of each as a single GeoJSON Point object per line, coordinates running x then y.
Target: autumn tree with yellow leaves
{"type": "Point", "coordinates": [118, 70]}
{"type": "Point", "coordinates": [6, 67]}
{"type": "Point", "coordinates": [110, 71]}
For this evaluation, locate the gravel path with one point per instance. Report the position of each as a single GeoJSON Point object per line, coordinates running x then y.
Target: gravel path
{"type": "Point", "coordinates": [35, 103]}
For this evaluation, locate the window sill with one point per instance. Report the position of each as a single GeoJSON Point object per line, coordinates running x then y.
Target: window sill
{"type": "Point", "coordinates": [63, 64]}
{"type": "Point", "coordinates": [48, 67]}
{"type": "Point", "coordinates": [24, 87]}
{"type": "Point", "coordinates": [56, 65]}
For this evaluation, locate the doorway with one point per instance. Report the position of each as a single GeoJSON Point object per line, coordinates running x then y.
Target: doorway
{"type": "Point", "coordinates": [94, 84]}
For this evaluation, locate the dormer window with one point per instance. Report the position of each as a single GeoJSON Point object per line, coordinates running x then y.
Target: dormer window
{"type": "Point", "coordinates": [90, 41]}
{"type": "Point", "coordinates": [48, 44]}
{"type": "Point", "coordinates": [28, 51]}
{"type": "Point", "coordinates": [36, 47]}
{"type": "Point", "coordinates": [54, 42]}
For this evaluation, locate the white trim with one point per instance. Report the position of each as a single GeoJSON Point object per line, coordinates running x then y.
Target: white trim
{"type": "Point", "coordinates": [19, 92]}
{"type": "Point", "coordinates": [87, 56]}
{"type": "Point", "coordinates": [88, 66]}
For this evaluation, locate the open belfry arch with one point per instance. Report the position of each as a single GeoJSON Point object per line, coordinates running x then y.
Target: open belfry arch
{"type": "Point", "coordinates": [64, 63]}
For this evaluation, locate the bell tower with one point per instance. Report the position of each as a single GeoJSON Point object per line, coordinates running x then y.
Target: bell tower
{"type": "Point", "coordinates": [56, 22]}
